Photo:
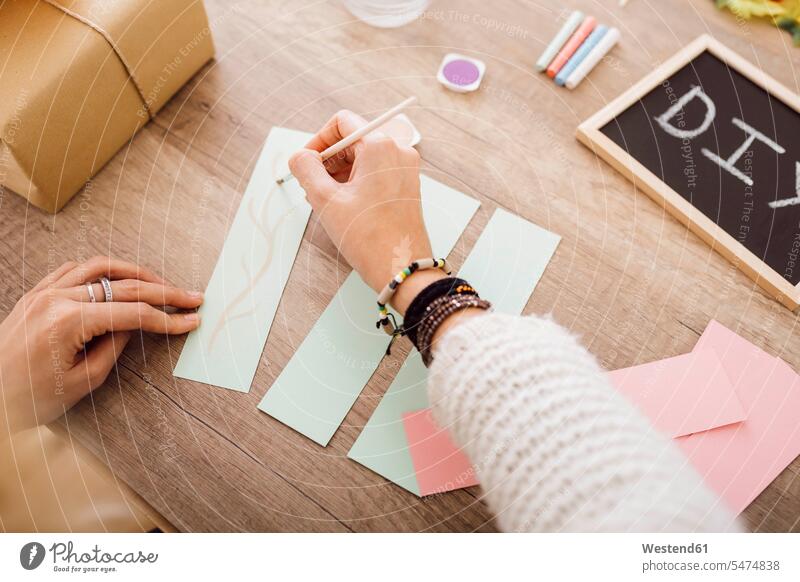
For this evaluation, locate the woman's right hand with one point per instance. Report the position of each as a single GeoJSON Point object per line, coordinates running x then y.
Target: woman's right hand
{"type": "Point", "coordinates": [368, 201]}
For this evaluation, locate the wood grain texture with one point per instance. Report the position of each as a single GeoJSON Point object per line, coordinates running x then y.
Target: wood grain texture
{"type": "Point", "coordinates": [628, 278]}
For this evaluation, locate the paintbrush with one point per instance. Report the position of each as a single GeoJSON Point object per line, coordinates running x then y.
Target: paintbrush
{"type": "Point", "coordinates": [358, 134]}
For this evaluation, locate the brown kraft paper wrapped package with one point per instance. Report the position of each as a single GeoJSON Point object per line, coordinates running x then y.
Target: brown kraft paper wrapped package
{"type": "Point", "coordinates": [80, 77]}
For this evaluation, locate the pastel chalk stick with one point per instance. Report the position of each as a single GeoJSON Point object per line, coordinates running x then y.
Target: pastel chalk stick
{"type": "Point", "coordinates": [570, 26]}
{"type": "Point", "coordinates": [574, 42]}
{"type": "Point", "coordinates": [580, 54]}
{"type": "Point", "coordinates": [600, 50]}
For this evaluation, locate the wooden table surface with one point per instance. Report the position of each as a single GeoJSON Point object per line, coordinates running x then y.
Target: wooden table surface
{"type": "Point", "coordinates": [627, 277]}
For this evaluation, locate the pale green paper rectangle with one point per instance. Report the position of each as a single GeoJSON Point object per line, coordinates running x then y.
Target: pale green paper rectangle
{"type": "Point", "coordinates": [248, 280]}
{"type": "Point", "coordinates": [504, 266]}
{"type": "Point", "coordinates": [326, 374]}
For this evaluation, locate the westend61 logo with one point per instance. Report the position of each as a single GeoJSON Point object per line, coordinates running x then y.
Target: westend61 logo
{"type": "Point", "coordinates": [67, 559]}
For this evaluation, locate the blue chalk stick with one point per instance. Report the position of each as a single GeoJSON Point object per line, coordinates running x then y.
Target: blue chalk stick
{"type": "Point", "coordinates": [580, 54]}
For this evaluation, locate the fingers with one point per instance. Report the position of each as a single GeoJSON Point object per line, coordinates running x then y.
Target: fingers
{"type": "Point", "coordinates": [100, 318]}
{"type": "Point", "coordinates": [134, 290]}
{"type": "Point", "coordinates": [337, 128]}
{"type": "Point", "coordinates": [101, 357]}
{"type": "Point", "coordinates": [97, 267]}
{"type": "Point", "coordinates": [51, 278]}
{"type": "Point", "coordinates": [312, 175]}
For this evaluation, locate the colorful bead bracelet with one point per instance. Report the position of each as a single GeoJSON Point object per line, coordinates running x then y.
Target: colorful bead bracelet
{"type": "Point", "coordinates": [386, 319]}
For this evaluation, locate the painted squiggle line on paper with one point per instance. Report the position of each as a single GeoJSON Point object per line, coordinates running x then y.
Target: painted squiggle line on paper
{"type": "Point", "coordinates": [262, 270]}
{"type": "Point", "coordinates": [261, 224]}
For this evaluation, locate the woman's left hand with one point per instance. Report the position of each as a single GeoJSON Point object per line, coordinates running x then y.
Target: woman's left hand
{"type": "Point", "coordinates": [56, 346]}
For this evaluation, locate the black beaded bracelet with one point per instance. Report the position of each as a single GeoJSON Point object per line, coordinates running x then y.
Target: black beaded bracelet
{"type": "Point", "coordinates": [418, 309]}
{"type": "Point", "coordinates": [439, 311]}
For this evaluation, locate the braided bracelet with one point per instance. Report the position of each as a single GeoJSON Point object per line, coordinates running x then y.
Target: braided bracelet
{"type": "Point", "coordinates": [386, 319]}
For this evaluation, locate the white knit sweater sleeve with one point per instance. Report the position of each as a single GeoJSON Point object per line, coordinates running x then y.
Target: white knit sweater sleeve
{"type": "Point", "coordinates": [555, 447]}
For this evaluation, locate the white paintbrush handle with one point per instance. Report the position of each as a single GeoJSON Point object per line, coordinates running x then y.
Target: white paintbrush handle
{"type": "Point", "coordinates": [359, 133]}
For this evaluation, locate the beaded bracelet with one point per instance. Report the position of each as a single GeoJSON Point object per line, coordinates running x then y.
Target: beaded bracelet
{"type": "Point", "coordinates": [437, 312]}
{"type": "Point", "coordinates": [386, 319]}
{"type": "Point", "coordinates": [421, 304]}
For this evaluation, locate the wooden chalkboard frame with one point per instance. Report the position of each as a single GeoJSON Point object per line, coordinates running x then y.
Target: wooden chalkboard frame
{"type": "Point", "coordinates": [590, 135]}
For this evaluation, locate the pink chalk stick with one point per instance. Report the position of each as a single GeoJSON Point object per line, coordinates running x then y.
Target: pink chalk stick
{"type": "Point", "coordinates": [574, 42]}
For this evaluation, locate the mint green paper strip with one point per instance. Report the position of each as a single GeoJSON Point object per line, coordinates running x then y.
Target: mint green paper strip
{"type": "Point", "coordinates": [504, 266]}
{"type": "Point", "coordinates": [323, 379]}
{"type": "Point", "coordinates": [244, 291]}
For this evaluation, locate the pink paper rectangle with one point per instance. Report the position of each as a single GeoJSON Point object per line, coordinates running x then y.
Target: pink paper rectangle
{"type": "Point", "coordinates": [682, 395]}
{"type": "Point", "coordinates": [439, 465]}
{"type": "Point", "coordinates": [739, 461]}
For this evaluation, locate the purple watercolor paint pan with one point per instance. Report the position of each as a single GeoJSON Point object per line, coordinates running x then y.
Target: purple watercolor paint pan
{"type": "Point", "coordinates": [461, 74]}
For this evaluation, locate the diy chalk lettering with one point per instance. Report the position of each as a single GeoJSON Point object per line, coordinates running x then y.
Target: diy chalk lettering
{"type": "Point", "coordinates": [716, 141]}
{"type": "Point", "coordinates": [722, 117]}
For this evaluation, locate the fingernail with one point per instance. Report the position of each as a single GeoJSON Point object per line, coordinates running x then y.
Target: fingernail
{"type": "Point", "coordinates": [191, 317]}
{"type": "Point", "coordinates": [196, 294]}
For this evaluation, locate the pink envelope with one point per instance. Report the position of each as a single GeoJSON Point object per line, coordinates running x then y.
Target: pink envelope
{"type": "Point", "coordinates": [682, 395]}
{"type": "Point", "coordinates": [739, 461]}
{"type": "Point", "coordinates": [439, 465]}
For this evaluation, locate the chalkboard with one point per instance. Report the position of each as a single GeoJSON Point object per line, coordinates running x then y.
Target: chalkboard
{"type": "Point", "coordinates": [718, 142]}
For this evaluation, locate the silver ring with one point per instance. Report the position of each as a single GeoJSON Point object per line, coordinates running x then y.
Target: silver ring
{"type": "Point", "coordinates": [107, 289]}
{"type": "Point", "coordinates": [90, 289]}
